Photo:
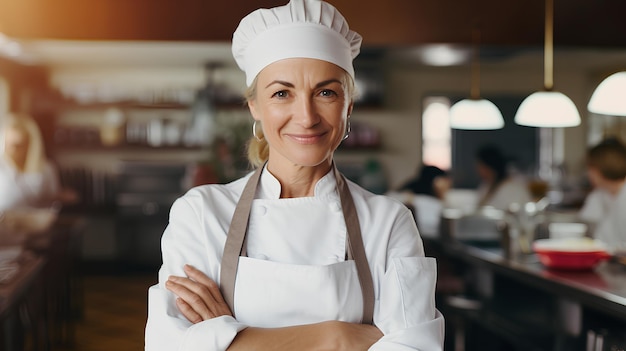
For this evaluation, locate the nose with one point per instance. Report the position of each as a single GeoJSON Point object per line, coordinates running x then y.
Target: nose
{"type": "Point", "coordinates": [306, 113]}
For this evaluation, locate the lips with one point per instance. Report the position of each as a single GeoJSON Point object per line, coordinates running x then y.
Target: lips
{"type": "Point", "coordinates": [306, 139]}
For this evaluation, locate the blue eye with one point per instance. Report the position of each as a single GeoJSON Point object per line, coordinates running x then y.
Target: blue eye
{"type": "Point", "coordinates": [328, 93]}
{"type": "Point", "coordinates": [280, 94]}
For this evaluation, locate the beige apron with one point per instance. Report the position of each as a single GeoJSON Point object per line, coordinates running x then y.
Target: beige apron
{"type": "Point", "coordinates": [272, 294]}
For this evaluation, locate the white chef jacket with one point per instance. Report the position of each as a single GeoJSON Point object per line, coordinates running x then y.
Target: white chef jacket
{"type": "Point", "coordinates": [427, 210]}
{"type": "Point", "coordinates": [404, 280]}
{"type": "Point", "coordinates": [19, 189]}
{"type": "Point", "coordinates": [511, 190]}
{"type": "Point", "coordinates": [597, 204]}
{"type": "Point", "coordinates": [608, 212]}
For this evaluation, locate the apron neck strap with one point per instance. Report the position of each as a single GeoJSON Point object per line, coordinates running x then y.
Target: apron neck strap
{"type": "Point", "coordinates": [355, 248]}
{"type": "Point", "coordinates": [235, 243]}
{"type": "Point", "coordinates": [234, 240]}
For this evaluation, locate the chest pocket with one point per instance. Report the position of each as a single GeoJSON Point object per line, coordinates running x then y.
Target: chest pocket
{"type": "Point", "coordinates": [271, 295]}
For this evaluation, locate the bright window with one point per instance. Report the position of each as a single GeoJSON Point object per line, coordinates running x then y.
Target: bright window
{"type": "Point", "coordinates": [436, 134]}
{"type": "Point", "coordinates": [4, 108]}
{"type": "Point", "coordinates": [4, 96]}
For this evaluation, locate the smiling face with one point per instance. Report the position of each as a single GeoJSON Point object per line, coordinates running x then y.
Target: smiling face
{"type": "Point", "coordinates": [303, 105]}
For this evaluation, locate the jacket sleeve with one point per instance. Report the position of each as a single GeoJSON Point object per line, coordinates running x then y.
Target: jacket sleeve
{"type": "Point", "coordinates": [405, 307]}
{"type": "Point", "coordinates": [184, 242]}
{"type": "Point", "coordinates": [168, 330]}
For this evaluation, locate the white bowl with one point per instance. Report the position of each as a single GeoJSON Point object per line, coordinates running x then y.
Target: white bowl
{"type": "Point", "coordinates": [570, 245]}
{"type": "Point", "coordinates": [567, 230]}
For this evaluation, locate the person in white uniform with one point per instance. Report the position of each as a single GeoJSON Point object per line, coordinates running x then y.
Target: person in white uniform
{"type": "Point", "coordinates": [498, 188]}
{"type": "Point", "coordinates": [293, 256]}
{"type": "Point", "coordinates": [425, 194]}
{"type": "Point", "coordinates": [27, 178]}
{"type": "Point", "coordinates": [605, 206]}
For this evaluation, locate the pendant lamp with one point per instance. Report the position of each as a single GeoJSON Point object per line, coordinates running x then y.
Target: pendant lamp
{"type": "Point", "coordinates": [475, 113]}
{"type": "Point", "coordinates": [548, 108]}
{"type": "Point", "coordinates": [609, 98]}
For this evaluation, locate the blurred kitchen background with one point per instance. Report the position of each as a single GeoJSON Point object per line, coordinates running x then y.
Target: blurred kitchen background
{"type": "Point", "coordinates": [139, 100]}
{"type": "Point", "coordinates": [130, 93]}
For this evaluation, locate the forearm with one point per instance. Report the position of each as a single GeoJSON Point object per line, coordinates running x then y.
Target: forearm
{"type": "Point", "coordinates": [305, 337]}
{"type": "Point", "coordinates": [331, 335]}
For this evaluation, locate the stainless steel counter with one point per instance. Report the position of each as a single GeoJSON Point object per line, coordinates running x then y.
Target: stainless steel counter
{"type": "Point", "coordinates": [603, 288]}
{"type": "Point", "coordinates": [526, 305]}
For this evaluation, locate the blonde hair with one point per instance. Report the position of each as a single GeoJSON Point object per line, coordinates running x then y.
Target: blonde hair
{"type": "Point", "coordinates": [35, 155]}
{"type": "Point", "coordinates": [258, 150]}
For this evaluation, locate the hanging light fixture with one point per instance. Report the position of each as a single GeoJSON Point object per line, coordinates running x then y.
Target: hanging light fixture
{"type": "Point", "coordinates": [548, 108]}
{"type": "Point", "coordinates": [609, 98]}
{"type": "Point", "coordinates": [475, 113]}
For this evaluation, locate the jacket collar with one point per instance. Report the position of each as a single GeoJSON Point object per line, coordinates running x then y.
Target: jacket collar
{"type": "Point", "coordinates": [269, 187]}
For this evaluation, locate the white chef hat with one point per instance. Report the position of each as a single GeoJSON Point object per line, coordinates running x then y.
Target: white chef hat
{"type": "Point", "coordinates": [302, 28]}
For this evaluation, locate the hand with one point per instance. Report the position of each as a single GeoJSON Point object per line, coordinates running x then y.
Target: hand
{"type": "Point", "coordinates": [199, 297]}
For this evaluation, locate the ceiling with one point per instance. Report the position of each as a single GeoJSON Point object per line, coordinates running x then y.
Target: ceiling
{"type": "Point", "coordinates": [587, 23]}
{"type": "Point", "coordinates": [81, 35]}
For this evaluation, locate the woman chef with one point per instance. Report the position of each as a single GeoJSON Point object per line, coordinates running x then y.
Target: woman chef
{"type": "Point", "coordinates": [304, 259]}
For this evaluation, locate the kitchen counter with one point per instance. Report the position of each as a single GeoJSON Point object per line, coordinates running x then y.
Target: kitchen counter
{"type": "Point", "coordinates": [603, 288]}
{"type": "Point", "coordinates": [46, 275]}
{"type": "Point", "coordinates": [529, 305]}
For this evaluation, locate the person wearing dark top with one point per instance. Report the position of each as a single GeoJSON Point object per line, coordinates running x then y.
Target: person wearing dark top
{"type": "Point", "coordinates": [425, 195]}
{"type": "Point", "coordinates": [428, 182]}
{"type": "Point", "coordinates": [498, 188]}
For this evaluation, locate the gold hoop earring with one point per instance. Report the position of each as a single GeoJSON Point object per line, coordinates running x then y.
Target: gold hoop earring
{"type": "Point", "coordinates": [254, 131]}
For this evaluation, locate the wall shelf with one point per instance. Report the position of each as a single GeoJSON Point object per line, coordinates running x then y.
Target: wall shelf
{"type": "Point", "coordinates": [124, 148]}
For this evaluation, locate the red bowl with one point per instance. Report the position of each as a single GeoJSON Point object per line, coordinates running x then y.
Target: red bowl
{"type": "Point", "coordinates": [549, 254]}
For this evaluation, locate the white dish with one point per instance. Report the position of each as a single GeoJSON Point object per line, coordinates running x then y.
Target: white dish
{"type": "Point", "coordinates": [570, 245]}
{"type": "Point", "coordinates": [567, 230]}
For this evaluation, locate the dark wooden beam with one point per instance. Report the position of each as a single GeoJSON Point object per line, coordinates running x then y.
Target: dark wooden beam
{"type": "Point", "coordinates": [586, 23]}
